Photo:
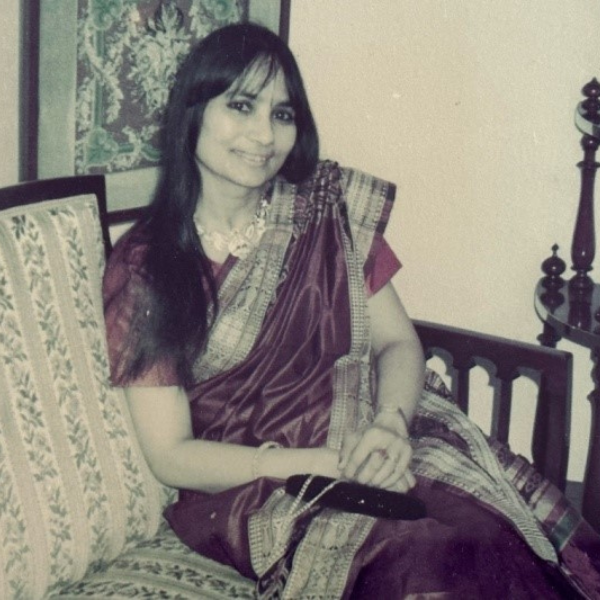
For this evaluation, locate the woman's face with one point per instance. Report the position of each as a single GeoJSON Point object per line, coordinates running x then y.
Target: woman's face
{"type": "Point", "coordinates": [246, 133]}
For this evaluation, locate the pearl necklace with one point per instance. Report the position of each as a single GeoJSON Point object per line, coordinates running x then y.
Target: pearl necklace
{"type": "Point", "coordinates": [238, 242]}
{"type": "Point", "coordinates": [297, 508]}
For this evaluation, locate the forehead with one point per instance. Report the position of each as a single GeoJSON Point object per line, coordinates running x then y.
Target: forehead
{"type": "Point", "coordinates": [262, 73]}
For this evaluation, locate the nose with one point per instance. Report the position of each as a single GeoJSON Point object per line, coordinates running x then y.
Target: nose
{"type": "Point", "coordinates": [261, 129]}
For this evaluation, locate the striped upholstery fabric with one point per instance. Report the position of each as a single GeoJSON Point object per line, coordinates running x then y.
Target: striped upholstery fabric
{"type": "Point", "coordinates": [161, 568]}
{"type": "Point", "coordinates": [75, 490]}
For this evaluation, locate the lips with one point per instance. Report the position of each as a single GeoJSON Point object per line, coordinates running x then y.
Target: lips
{"type": "Point", "coordinates": [258, 160]}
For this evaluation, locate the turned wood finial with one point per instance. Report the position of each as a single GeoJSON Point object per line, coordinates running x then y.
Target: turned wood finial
{"type": "Point", "coordinates": [583, 248]}
{"type": "Point", "coordinates": [591, 105]}
{"type": "Point", "coordinates": [553, 267]}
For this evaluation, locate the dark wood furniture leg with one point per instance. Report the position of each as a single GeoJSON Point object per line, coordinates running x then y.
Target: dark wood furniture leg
{"type": "Point", "coordinates": [549, 337]}
{"type": "Point", "coordinates": [591, 490]}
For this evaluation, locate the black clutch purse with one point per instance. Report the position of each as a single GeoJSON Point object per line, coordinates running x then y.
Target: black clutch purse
{"type": "Point", "coordinates": [353, 497]}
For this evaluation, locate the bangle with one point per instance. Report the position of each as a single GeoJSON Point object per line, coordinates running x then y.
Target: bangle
{"type": "Point", "coordinates": [257, 455]}
{"type": "Point", "coordinates": [392, 409]}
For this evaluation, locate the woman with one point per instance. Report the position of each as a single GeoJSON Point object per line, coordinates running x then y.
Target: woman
{"type": "Point", "coordinates": [252, 321]}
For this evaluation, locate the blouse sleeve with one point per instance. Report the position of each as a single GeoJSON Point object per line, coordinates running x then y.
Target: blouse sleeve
{"type": "Point", "coordinates": [125, 296]}
{"type": "Point", "coordinates": [381, 265]}
{"type": "Point", "coordinates": [369, 202]}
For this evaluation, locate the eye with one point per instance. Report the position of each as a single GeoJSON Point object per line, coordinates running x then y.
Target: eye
{"type": "Point", "coordinates": [284, 115]}
{"type": "Point", "coordinates": [241, 106]}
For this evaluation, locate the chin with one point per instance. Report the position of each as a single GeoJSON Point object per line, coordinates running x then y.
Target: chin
{"type": "Point", "coordinates": [258, 177]}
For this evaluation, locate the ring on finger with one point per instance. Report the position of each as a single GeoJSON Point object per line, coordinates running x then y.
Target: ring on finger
{"type": "Point", "coordinates": [383, 453]}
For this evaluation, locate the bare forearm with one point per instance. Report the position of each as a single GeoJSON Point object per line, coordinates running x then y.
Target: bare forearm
{"type": "Point", "coordinates": [400, 375]}
{"type": "Point", "coordinates": [398, 353]}
{"type": "Point", "coordinates": [216, 466]}
{"type": "Point", "coordinates": [162, 420]}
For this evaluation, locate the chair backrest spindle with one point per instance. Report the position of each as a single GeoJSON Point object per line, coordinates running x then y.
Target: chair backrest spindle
{"type": "Point", "coordinates": [463, 380]}
{"type": "Point", "coordinates": [502, 410]}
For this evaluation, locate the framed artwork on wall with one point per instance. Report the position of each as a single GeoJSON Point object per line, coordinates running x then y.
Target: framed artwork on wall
{"type": "Point", "coordinates": [100, 73]}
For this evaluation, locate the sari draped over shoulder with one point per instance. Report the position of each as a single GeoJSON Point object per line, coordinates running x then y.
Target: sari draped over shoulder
{"type": "Point", "coordinates": [289, 360]}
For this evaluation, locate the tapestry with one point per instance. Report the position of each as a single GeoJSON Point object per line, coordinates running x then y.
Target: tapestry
{"type": "Point", "coordinates": [127, 54]}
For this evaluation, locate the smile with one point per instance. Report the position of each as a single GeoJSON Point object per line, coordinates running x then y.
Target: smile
{"type": "Point", "coordinates": [254, 159]}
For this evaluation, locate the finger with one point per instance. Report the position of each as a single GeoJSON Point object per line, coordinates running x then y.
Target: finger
{"type": "Point", "coordinates": [405, 455]}
{"type": "Point", "coordinates": [386, 464]}
{"type": "Point", "coordinates": [396, 462]}
{"type": "Point", "coordinates": [390, 482]}
{"type": "Point", "coordinates": [410, 479]}
{"type": "Point", "coordinates": [406, 482]}
{"type": "Point", "coordinates": [400, 455]}
{"type": "Point", "coordinates": [378, 466]}
{"type": "Point", "coordinates": [372, 439]}
{"type": "Point", "coordinates": [394, 478]}
{"type": "Point", "coordinates": [399, 481]}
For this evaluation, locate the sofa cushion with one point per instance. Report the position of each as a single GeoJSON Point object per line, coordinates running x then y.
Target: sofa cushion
{"type": "Point", "coordinates": [76, 491]}
{"type": "Point", "coordinates": [162, 568]}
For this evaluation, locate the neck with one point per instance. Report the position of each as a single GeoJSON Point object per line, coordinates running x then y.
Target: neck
{"type": "Point", "coordinates": [227, 211]}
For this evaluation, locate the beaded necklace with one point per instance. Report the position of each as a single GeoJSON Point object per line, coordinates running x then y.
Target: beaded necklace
{"type": "Point", "coordinates": [239, 241]}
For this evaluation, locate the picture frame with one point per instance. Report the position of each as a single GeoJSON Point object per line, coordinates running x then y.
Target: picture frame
{"type": "Point", "coordinates": [67, 67]}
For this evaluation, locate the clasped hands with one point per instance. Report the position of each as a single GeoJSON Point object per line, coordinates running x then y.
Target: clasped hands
{"type": "Point", "coordinates": [378, 454]}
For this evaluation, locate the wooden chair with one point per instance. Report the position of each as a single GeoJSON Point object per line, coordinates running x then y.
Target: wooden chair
{"type": "Point", "coordinates": [506, 360]}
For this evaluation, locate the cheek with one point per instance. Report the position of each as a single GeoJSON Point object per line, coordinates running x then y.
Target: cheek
{"type": "Point", "coordinates": [201, 147]}
{"type": "Point", "coordinates": [199, 142]}
{"type": "Point", "coordinates": [287, 140]}
{"type": "Point", "coordinates": [198, 147]}
{"type": "Point", "coordinates": [216, 129]}
{"type": "Point", "coordinates": [212, 140]}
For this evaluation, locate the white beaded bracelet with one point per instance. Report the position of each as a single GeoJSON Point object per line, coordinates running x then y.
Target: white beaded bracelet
{"type": "Point", "coordinates": [257, 456]}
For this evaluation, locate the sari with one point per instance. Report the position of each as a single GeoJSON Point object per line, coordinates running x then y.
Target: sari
{"type": "Point", "coordinates": [289, 360]}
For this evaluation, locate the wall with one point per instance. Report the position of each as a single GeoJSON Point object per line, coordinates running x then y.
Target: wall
{"type": "Point", "coordinates": [9, 92]}
{"type": "Point", "coordinates": [468, 106]}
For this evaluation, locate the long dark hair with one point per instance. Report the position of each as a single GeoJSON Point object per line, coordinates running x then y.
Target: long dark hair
{"type": "Point", "coordinates": [182, 288]}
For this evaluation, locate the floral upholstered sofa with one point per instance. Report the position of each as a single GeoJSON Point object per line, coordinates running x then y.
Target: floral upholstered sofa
{"type": "Point", "coordinates": [80, 512]}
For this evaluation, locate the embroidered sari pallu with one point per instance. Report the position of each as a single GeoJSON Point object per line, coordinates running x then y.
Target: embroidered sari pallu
{"type": "Point", "coordinates": [289, 360]}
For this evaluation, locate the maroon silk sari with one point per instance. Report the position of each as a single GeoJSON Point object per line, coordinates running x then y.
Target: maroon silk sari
{"type": "Point", "coordinates": [289, 360]}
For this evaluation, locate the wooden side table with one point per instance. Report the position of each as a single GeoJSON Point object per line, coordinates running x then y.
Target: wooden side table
{"type": "Point", "coordinates": [575, 315]}
{"type": "Point", "coordinates": [572, 310]}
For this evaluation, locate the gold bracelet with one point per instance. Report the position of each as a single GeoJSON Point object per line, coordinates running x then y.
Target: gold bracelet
{"type": "Point", "coordinates": [257, 456]}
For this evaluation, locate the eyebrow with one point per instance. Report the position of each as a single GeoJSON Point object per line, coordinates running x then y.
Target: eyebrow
{"type": "Point", "coordinates": [253, 96]}
{"type": "Point", "coordinates": [243, 93]}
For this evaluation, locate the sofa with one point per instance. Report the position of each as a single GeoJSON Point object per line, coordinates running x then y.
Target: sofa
{"type": "Point", "coordinates": [80, 512]}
